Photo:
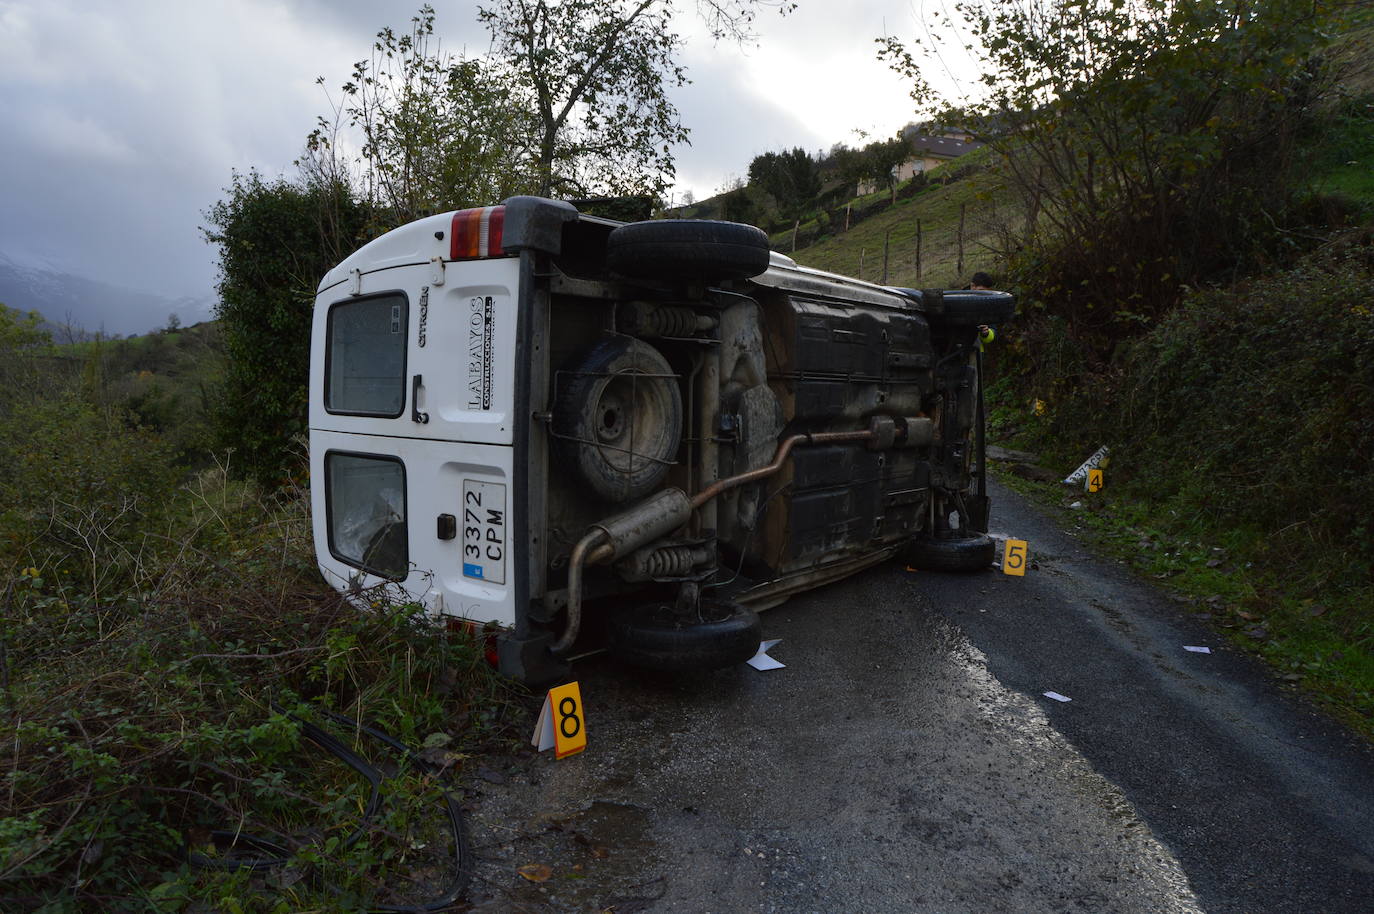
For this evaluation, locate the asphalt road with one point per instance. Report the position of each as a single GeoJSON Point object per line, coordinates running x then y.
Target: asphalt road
{"type": "Point", "coordinates": [907, 760]}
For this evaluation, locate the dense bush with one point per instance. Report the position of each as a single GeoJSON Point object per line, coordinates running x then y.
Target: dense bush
{"type": "Point", "coordinates": [276, 241]}
{"type": "Point", "coordinates": [1264, 393]}
{"type": "Point", "coordinates": [1159, 150]}
{"type": "Point", "coordinates": [166, 382]}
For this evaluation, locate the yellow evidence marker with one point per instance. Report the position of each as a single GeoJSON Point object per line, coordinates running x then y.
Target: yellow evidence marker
{"type": "Point", "coordinates": [1094, 480]}
{"type": "Point", "coordinates": [1014, 558]}
{"type": "Point", "coordinates": [561, 725]}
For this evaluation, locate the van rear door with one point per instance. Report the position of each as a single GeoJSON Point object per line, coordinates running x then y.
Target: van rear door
{"type": "Point", "coordinates": [406, 356]}
{"type": "Point", "coordinates": [432, 518]}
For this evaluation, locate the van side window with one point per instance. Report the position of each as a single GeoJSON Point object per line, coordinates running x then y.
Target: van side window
{"type": "Point", "coordinates": [365, 353]}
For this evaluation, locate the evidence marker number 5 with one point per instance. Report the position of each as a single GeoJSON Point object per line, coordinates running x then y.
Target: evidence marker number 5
{"type": "Point", "coordinates": [484, 531]}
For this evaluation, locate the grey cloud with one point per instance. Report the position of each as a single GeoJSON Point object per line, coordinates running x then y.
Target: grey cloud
{"type": "Point", "coordinates": [124, 121]}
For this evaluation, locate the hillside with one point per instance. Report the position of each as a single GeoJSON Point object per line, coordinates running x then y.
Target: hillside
{"type": "Point", "coordinates": [932, 209]}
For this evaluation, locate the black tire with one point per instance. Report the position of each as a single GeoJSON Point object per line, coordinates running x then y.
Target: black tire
{"type": "Point", "coordinates": [968, 308]}
{"type": "Point", "coordinates": [954, 553]}
{"type": "Point", "coordinates": [679, 249]}
{"type": "Point", "coordinates": [617, 421]}
{"type": "Point", "coordinates": [654, 637]}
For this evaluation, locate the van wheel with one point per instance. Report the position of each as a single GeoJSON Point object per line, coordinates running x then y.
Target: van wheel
{"type": "Point", "coordinates": [953, 553]}
{"type": "Point", "coordinates": [699, 249]}
{"type": "Point", "coordinates": [967, 308]}
{"type": "Point", "coordinates": [654, 636]}
{"type": "Point", "coordinates": [617, 421]}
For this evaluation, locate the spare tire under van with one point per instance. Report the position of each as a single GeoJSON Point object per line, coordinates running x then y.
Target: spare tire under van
{"type": "Point", "coordinates": [678, 249]}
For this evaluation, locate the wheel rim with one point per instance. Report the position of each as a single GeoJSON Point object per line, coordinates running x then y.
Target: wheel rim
{"type": "Point", "coordinates": [631, 420]}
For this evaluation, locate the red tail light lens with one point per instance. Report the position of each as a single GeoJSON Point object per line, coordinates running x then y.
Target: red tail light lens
{"type": "Point", "coordinates": [485, 635]}
{"type": "Point", "coordinates": [477, 233]}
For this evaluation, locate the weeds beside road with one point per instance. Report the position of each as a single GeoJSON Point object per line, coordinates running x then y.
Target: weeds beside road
{"type": "Point", "coordinates": [164, 636]}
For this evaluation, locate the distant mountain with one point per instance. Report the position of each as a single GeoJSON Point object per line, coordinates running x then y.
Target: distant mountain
{"type": "Point", "coordinates": [91, 305]}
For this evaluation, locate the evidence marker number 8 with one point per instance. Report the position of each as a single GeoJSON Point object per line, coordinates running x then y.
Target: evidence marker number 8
{"type": "Point", "coordinates": [561, 725]}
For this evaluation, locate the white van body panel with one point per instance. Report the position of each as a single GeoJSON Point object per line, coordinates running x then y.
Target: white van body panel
{"type": "Point", "coordinates": [410, 244]}
{"type": "Point", "coordinates": [436, 475]}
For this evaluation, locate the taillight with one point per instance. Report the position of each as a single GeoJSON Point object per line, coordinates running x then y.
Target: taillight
{"type": "Point", "coordinates": [477, 233]}
{"type": "Point", "coordinates": [485, 635]}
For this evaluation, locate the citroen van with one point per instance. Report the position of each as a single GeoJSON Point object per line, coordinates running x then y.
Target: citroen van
{"type": "Point", "coordinates": [582, 434]}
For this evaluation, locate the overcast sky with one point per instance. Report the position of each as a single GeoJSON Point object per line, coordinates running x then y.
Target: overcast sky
{"type": "Point", "coordinates": [123, 119]}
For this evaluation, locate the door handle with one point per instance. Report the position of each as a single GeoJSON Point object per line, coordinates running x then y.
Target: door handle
{"type": "Point", "coordinates": [415, 414]}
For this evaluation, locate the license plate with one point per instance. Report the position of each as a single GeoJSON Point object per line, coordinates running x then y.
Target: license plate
{"type": "Point", "coordinates": [484, 531]}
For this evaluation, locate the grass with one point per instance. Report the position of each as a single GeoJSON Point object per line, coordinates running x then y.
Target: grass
{"type": "Point", "coordinates": [1241, 477]}
{"type": "Point", "coordinates": [1343, 164]}
{"type": "Point", "coordinates": [858, 252]}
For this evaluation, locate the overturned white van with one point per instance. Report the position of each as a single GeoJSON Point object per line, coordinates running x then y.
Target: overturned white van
{"type": "Point", "coordinates": [635, 436]}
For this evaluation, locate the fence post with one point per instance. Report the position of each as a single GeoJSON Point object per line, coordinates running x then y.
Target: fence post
{"type": "Point", "coordinates": [886, 237]}
{"type": "Point", "coordinates": [918, 248]}
{"type": "Point", "coordinates": [959, 269]}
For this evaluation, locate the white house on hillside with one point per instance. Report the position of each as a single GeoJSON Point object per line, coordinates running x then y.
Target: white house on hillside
{"type": "Point", "coordinates": [929, 149]}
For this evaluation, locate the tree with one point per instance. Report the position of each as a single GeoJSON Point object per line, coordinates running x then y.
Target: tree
{"type": "Point", "coordinates": [438, 131]}
{"type": "Point", "coordinates": [20, 330]}
{"type": "Point", "coordinates": [598, 72]}
{"type": "Point", "coordinates": [876, 162]}
{"type": "Point", "coordinates": [882, 158]}
{"type": "Point", "coordinates": [790, 177]}
{"type": "Point", "coordinates": [276, 239]}
{"type": "Point", "coordinates": [1151, 142]}
{"type": "Point", "coordinates": [846, 163]}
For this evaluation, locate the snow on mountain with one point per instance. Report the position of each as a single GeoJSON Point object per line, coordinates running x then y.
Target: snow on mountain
{"type": "Point", "coordinates": [91, 305]}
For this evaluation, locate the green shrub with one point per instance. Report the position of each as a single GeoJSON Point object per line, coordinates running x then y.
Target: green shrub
{"type": "Point", "coordinates": [276, 241]}
{"type": "Point", "coordinates": [82, 492]}
{"type": "Point", "coordinates": [142, 720]}
{"type": "Point", "coordinates": [1262, 395]}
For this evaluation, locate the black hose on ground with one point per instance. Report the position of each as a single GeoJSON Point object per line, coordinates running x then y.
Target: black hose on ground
{"type": "Point", "coordinates": [269, 855]}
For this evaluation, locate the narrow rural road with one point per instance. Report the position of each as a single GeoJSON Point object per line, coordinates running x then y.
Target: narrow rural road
{"type": "Point", "coordinates": [906, 760]}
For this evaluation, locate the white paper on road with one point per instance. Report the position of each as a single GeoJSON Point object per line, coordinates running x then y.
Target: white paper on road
{"type": "Point", "coordinates": [1057, 697]}
{"type": "Point", "coordinates": [1197, 650]}
{"type": "Point", "coordinates": [761, 661]}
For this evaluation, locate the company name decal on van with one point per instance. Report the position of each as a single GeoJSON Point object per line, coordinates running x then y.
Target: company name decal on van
{"type": "Point", "coordinates": [424, 314]}
{"type": "Point", "coordinates": [479, 352]}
